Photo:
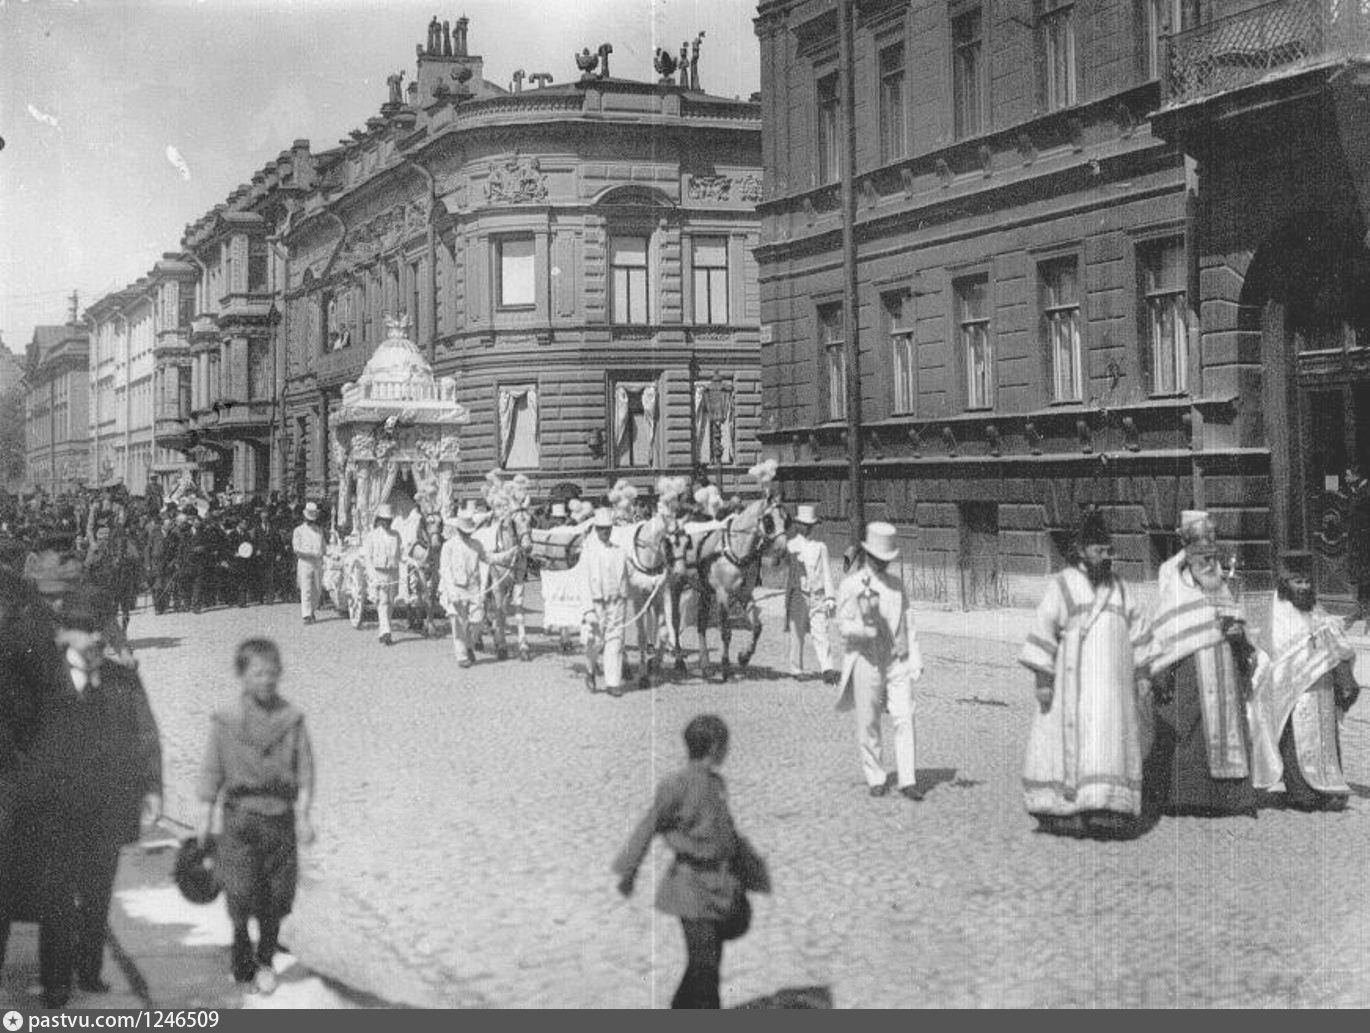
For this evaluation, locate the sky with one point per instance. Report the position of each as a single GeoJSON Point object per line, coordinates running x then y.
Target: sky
{"type": "Point", "coordinates": [124, 120]}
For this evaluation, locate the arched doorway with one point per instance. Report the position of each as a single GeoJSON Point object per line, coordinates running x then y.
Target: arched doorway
{"type": "Point", "coordinates": [1307, 290]}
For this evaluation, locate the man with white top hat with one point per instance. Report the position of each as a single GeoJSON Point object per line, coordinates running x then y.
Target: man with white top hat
{"type": "Point", "coordinates": [607, 571]}
{"type": "Point", "coordinates": [882, 660]}
{"type": "Point", "coordinates": [809, 596]}
{"type": "Point", "coordinates": [461, 581]}
{"type": "Point", "coordinates": [307, 543]}
{"type": "Point", "coordinates": [381, 551]}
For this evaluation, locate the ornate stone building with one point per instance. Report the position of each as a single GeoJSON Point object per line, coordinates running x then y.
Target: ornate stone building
{"type": "Point", "coordinates": [235, 346]}
{"type": "Point", "coordinates": [140, 337]}
{"type": "Point", "coordinates": [577, 255]}
{"type": "Point", "coordinates": [57, 435]}
{"type": "Point", "coordinates": [1021, 283]}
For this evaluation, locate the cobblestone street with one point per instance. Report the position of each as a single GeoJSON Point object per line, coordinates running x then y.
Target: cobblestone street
{"type": "Point", "coordinates": [467, 820]}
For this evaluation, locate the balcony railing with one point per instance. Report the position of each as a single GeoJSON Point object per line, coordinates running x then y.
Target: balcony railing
{"type": "Point", "coordinates": [1237, 50]}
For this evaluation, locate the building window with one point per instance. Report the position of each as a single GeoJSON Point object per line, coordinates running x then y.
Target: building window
{"type": "Point", "coordinates": [710, 257]}
{"type": "Point", "coordinates": [968, 71]}
{"type": "Point", "coordinates": [634, 424]}
{"type": "Point", "coordinates": [1060, 293]}
{"type": "Point", "coordinates": [1165, 18]}
{"type": "Point", "coordinates": [892, 120]}
{"type": "Point", "coordinates": [1056, 34]}
{"type": "Point", "coordinates": [518, 427]}
{"type": "Point", "coordinates": [628, 281]}
{"type": "Point", "coordinates": [899, 327]}
{"type": "Point", "coordinates": [832, 338]}
{"type": "Point", "coordinates": [259, 377]}
{"type": "Point", "coordinates": [1166, 316]}
{"type": "Point", "coordinates": [514, 272]}
{"type": "Point", "coordinates": [258, 273]}
{"type": "Point", "coordinates": [828, 163]}
{"type": "Point", "coordinates": [972, 317]}
{"type": "Point", "coordinates": [415, 299]}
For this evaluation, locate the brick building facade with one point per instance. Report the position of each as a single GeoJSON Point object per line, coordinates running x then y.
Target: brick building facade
{"type": "Point", "coordinates": [56, 432]}
{"type": "Point", "coordinates": [577, 255]}
{"type": "Point", "coordinates": [1024, 283]}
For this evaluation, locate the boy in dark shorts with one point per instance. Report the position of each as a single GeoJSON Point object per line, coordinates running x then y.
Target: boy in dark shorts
{"type": "Point", "coordinates": [259, 762]}
{"type": "Point", "coordinates": [714, 865]}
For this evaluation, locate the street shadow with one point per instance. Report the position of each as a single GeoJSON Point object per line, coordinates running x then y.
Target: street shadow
{"type": "Point", "coordinates": [817, 998]}
{"type": "Point", "coordinates": [1359, 790]}
{"type": "Point", "coordinates": [976, 701]}
{"type": "Point", "coordinates": [929, 779]}
{"type": "Point", "coordinates": [156, 642]}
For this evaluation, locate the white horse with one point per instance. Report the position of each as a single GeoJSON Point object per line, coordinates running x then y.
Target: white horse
{"type": "Point", "coordinates": [656, 558]}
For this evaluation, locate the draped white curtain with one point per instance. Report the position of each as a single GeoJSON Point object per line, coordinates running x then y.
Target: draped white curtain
{"type": "Point", "coordinates": [703, 453]}
{"type": "Point", "coordinates": [649, 416]}
{"type": "Point", "coordinates": [620, 415]}
{"type": "Point", "coordinates": [508, 405]}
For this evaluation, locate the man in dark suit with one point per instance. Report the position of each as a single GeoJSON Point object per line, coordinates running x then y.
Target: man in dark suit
{"type": "Point", "coordinates": [91, 769]}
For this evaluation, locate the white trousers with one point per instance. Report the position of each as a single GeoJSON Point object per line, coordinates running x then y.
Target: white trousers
{"type": "Point", "coordinates": [383, 588]}
{"type": "Point", "coordinates": [606, 636]}
{"type": "Point", "coordinates": [309, 577]}
{"type": "Point", "coordinates": [803, 624]}
{"type": "Point", "coordinates": [875, 690]}
{"type": "Point", "coordinates": [466, 616]}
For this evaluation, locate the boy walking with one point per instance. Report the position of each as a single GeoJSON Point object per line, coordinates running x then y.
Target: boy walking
{"type": "Point", "coordinates": [259, 762]}
{"type": "Point", "coordinates": [714, 867]}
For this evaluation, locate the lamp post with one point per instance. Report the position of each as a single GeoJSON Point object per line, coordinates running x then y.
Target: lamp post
{"type": "Point", "coordinates": [717, 399]}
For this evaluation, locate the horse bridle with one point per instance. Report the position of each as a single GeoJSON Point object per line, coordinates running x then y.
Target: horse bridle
{"type": "Point", "coordinates": [762, 540]}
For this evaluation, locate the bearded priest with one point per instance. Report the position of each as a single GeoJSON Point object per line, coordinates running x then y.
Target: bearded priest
{"type": "Point", "coordinates": [1302, 694]}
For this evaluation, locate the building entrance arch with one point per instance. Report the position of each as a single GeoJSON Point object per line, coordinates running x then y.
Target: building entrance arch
{"type": "Point", "coordinates": [1307, 291]}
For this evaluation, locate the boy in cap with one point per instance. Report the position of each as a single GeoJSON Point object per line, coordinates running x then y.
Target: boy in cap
{"type": "Point", "coordinates": [809, 596]}
{"type": "Point", "coordinates": [260, 763]}
{"type": "Point", "coordinates": [714, 865]}
{"type": "Point", "coordinates": [882, 660]}
{"type": "Point", "coordinates": [307, 542]}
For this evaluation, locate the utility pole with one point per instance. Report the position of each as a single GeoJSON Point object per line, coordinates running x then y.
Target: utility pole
{"type": "Point", "coordinates": [850, 301]}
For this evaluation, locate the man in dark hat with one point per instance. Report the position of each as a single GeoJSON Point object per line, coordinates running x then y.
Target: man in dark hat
{"type": "Point", "coordinates": [1090, 652]}
{"type": "Point", "coordinates": [1301, 695]}
{"type": "Point", "coordinates": [92, 771]}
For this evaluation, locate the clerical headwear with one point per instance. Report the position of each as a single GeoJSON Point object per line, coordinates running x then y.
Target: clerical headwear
{"type": "Point", "coordinates": [1093, 530]}
{"type": "Point", "coordinates": [1296, 563]}
{"type": "Point", "coordinates": [1194, 525]}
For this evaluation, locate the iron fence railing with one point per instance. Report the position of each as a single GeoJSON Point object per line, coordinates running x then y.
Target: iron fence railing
{"type": "Point", "coordinates": [1233, 51]}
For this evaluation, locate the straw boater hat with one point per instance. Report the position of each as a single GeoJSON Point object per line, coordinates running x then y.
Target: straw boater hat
{"type": "Point", "coordinates": [604, 517]}
{"type": "Point", "coordinates": [806, 514]}
{"type": "Point", "coordinates": [462, 522]}
{"type": "Point", "coordinates": [881, 541]}
{"type": "Point", "coordinates": [311, 511]}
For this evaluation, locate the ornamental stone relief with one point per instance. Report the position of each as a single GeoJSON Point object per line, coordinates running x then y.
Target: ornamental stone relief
{"type": "Point", "coordinates": [750, 188]}
{"type": "Point", "coordinates": [516, 181]}
{"type": "Point", "coordinates": [710, 188]}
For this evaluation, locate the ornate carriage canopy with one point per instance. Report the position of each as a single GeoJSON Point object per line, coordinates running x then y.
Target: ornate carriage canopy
{"type": "Point", "coordinates": [396, 419]}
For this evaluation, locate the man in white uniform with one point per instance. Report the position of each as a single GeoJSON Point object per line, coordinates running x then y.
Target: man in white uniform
{"type": "Point", "coordinates": [607, 570]}
{"type": "Point", "coordinates": [381, 551]}
{"type": "Point", "coordinates": [461, 581]}
{"type": "Point", "coordinates": [307, 542]}
{"type": "Point", "coordinates": [809, 596]}
{"type": "Point", "coordinates": [882, 660]}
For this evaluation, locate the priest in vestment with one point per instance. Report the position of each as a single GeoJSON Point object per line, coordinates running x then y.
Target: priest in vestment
{"type": "Point", "coordinates": [1200, 762]}
{"type": "Point", "coordinates": [1302, 694]}
{"type": "Point", "coordinates": [1090, 652]}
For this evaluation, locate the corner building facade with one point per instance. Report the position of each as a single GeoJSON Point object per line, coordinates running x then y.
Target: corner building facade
{"type": "Point", "coordinates": [1026, 289]}
{"type": "Point", "coordinates": [577, 255]}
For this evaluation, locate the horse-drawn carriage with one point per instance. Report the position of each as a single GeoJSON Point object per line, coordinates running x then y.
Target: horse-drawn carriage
{"type": "Point", "coordinates": [395, 441]}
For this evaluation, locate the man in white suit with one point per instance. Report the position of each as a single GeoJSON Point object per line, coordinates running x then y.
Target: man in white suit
{"type": "Point", "coordinates": [809, 596]}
